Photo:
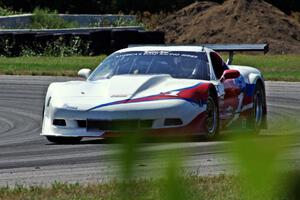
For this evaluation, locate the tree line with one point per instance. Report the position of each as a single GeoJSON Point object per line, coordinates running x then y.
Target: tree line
{"type": "Point", "coordinates": [125, 6]}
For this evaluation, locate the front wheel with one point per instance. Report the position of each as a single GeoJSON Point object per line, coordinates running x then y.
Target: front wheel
{"type": "Point", "coordinates": [64, 140]}
{"type": "Point", "coordinates": [212, 117]}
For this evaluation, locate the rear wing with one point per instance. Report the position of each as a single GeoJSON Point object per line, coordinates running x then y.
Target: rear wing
{"type": "Point", "coordinates": [230, 48]}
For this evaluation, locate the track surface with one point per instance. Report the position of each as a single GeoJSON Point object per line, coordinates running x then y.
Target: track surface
{"type": "Point", "coordinates": [27, 158]}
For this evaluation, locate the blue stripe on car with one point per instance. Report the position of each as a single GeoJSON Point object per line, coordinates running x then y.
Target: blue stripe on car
{"type": "Point", "coordinates": [125, 100]}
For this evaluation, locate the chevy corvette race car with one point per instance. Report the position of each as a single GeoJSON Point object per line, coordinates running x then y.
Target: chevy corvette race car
{"type": "Point", "coordinates": [159, 90]}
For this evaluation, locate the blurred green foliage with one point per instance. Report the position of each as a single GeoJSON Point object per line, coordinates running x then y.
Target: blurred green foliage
{"type": "Point", "coordinates": [258, 176]}
{"type": "Point", "coordinates": [47, 19]}
{"type": "Point", "coordinates": [258, 163]}
{"type": "Point", "coordinates": [257, 159]}
{"type": "Point", "coordinates": [4, 11]}
{"type": "Point", "coordinates": [259, 173]}
{"type": "Point", "coordinates": [58, 46]}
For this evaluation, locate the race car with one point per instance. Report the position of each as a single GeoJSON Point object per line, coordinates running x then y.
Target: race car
{"type": "Point", "coordinates": [159, 91]}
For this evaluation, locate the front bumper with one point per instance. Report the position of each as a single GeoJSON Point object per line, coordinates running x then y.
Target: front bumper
{"type": "Point", "coordinates": [190, 114]}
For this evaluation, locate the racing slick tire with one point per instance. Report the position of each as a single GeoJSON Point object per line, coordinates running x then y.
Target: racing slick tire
{"type": "Point", "coordinates": [64, 140]}
{"type": "Point", "coordinates": [256, 117]}
{"type": "Point", "coordinates": [212, 120]}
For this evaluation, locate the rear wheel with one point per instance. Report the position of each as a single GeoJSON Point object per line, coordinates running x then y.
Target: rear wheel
{"type": "Point", "coordinates": [212, 117]}
{"type": "Point", "coordinates": [64, 140]}
{"type": "Point", "coordinates": [257, 114]}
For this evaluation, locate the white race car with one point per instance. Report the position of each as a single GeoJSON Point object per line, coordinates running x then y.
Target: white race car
{"type": "Point", "coordinates": [158, 90]}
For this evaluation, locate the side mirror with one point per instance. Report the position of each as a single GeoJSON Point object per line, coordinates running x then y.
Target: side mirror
{"type": "Point", "coordinates": [230, 74]}
{"type": "Point", "coordinates": [84, 73]}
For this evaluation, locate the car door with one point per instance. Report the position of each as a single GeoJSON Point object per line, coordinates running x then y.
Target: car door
{"type": "Point", "coordinates": [230, 98]}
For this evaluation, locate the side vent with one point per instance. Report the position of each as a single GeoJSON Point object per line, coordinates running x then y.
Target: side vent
{"type": "Point", "coordinates": [81, 123]}
{"type": "Point", "coordinates": [173, 122]}
{"type": "Point", "coordinates": [59, 122]}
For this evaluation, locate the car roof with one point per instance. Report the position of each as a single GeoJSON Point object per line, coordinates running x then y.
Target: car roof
{"type": "Point", "coordinates": [164, 48]}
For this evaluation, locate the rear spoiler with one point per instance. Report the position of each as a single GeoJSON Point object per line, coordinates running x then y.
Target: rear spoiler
{"type": "Point", "coordinates": [230, 48]}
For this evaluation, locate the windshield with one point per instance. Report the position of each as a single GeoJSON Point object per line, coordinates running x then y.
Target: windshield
{"type": "Point", "coordinates": [189, 65]}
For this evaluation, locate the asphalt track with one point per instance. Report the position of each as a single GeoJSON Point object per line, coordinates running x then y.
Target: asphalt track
{"type": "Point", "coordinates": [29, 159]}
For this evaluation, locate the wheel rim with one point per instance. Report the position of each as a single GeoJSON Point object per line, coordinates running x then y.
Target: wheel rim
{"type": "Point", "coordinates": [258, 109]}
{"type": "Point", "coordinates": [211, 116]}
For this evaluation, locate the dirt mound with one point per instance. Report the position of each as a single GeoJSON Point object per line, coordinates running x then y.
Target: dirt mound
{"type": "Point", "coordinates": [234, 21]}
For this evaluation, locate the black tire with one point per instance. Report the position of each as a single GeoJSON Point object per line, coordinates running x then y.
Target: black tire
{"type": "Point", "coordinates": [256, 117]}
{"type": "Point", "coordinates": [64, 140]}
{"type": "Point", "coordinates": [212, 120]}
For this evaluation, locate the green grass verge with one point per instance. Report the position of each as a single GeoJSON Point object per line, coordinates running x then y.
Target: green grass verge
{"type": "Point", "coordinates": [220, 187]}
{"type": "Point", "coordinates": [274, 67]}
{"type": "Point", "coordinates": [54, 66]}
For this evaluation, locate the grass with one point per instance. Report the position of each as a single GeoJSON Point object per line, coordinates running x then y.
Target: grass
{"type": "Point", "coordinates": [221, 187]}
{"type": "Point", "coordinates": [216, 187]}
{"type": "Point", "coordinates": [54, 66]}
{"type": "Point", "coordinates": [111, 190]}
{"type": "Point", "coordinates": [274, 67]}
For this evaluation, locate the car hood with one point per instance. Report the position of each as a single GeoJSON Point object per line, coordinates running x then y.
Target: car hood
{"type": "Point", "coordinates": [118, 88]}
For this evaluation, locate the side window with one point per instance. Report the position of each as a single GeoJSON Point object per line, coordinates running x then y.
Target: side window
{"type": "Point", "coordinates": [218, 64]}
